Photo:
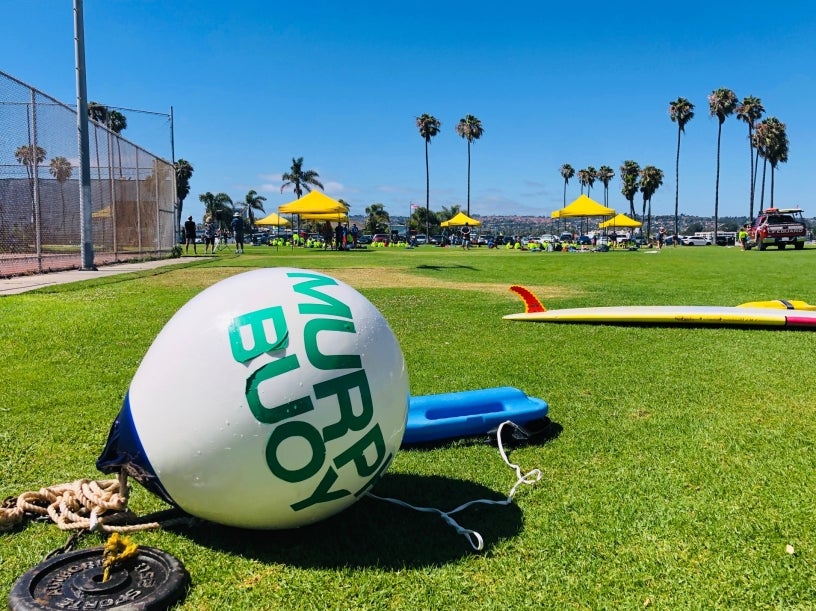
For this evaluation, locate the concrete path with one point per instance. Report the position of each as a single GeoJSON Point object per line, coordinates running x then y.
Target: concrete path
{"type": "Point", "coordinates": [21, 284]}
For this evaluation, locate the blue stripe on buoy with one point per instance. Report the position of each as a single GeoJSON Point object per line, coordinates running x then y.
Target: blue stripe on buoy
{"type": "Point", "coordinates": [124, 450]}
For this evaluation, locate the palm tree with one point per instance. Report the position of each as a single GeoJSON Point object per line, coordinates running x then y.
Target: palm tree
{"type": "Point", "coordinates": [470, 128]}
{"type": "Point", "coordinates": [99, 114]}
{"type": "Point", "coordinates": [219, 207]}
{"type": "Point", "coordinates": [751, 111]}
{"type": "Point", "coordinates": [253, 202]}
{"type": "Point", "coordinates": [184, 172]}
{"type": "Point", "coordinates": [681, 112]}
{"type": "Point", "coordinates": [772, 145]}
{"type": "Point", "coordinates": [567, 172]}
{"type": "Point", "coordinates": [721, 103]}
{"type": "Point", "coordinates": [583, 179]}
{"type": "Point", "coordinates": [591, 175]}
{"type": "Point", "coordinates": [117, 123]}
{"type": "Point", "coordinates": [630, 176]}
{"type": "Point", "coordinates": [60, 168]}
{"type": "Point", "coordinates": [300, 179]}
{"type": "Point", "coordinates": [605, 174]}
{"type": "Point", "coordinates": [428, 127]}
{"type": "Point", "coordinates": [378, 219]}
{"type": "Point", "coordinates": [30, 156]}
{"type": "Point", "coordinates": [651, 178]}
{"type": "Point", "coordinates": [448, 213]}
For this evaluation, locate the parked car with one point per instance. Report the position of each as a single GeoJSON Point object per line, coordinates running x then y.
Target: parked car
{"type": "Point", "coordinates": [381, 237]}
{"type": "Point", "coordinates": [365, 240]}
{"type": "Point", "coordinates": [693, 240]}
{"type": "Point", "coordinates": [421, 238]}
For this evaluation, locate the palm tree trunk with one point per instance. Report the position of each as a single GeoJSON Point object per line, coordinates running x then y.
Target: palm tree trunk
{"type": "Point", "coordinates": [762, 195]}
{"type": "Point", "coordinates": [677, 185]}
{"type": "Point", "coordinates": [756, 173]}
{"type": "Point", "coordinates": [772, 185]}
{"type": "Point", "coordinates": [468, 195]}
{"type": "Point", "coordinates": [427, 191]}
{"type": "Point", "coordinates": [62, 197]}
{"type": "Point", "coordinates": [753, 179]}
{"type": "Point", "coordinates": [717, 185]}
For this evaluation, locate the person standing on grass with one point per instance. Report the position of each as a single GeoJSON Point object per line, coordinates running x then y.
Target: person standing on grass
{"type": "Point", "coordinates": [237, 226]}
{"type": "Point", "coordinates": [189, 235]}
{"type": "Point", "coordinates": [466, 236]}
{"type": "Point", "coordinates": [355, 234]}
{"type": "Point", "coordinates": [743, 237]}
{"type": "Point", "coordinates": [209, 235]}
{"type": "Point", "coordinates": [327, 235]}
{"type": "Point", "coordinates": [661, 237]}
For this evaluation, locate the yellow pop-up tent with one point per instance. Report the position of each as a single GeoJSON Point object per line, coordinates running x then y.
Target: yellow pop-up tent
{"type": "Point", "coordinates": [620, 220]}
{"type": "Point", "coordinates": [583, 206]}
{"type": "Point", "coordinates": [459, 220]}
{"type": "Point", "coordinates": [313, 202]}
{"type": "Point", "coordinates": [273, 219]}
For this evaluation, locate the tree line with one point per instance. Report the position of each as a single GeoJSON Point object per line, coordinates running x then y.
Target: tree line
{"type": "Point", "coordinates": [767, 139]}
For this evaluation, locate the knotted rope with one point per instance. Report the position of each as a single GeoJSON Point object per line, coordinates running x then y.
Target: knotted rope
{"type": "Point", "coordinates": [82, 504]}
{"type": "Point", "coordinates": [117, 549]}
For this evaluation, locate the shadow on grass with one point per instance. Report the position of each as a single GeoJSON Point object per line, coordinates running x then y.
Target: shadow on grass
{"type": "Point", "coordinates": [376, 533]}
{"type": "Point", "coordinates": [439, 268]}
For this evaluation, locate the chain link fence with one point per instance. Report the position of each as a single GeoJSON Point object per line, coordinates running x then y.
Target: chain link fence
{"type": "Point", "coordinates": [133, 192]}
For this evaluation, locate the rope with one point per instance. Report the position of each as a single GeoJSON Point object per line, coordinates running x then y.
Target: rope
{"type": "Point", "coordinates": [473, 537]}
{"type": "Point", "coordinates": [81, 504]}
{"type": "Point", "coordinates": [117, 549]}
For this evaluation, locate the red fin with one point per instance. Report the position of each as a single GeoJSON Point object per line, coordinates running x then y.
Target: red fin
{"type": "Point", "coordinates": [531, 302]}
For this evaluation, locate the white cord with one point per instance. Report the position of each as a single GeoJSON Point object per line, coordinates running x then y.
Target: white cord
{"type": "Point", "coordinates": [474, 538]}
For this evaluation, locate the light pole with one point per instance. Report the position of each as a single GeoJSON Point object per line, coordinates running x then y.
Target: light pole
{"type": "Point", "coordinates": [85, 223]}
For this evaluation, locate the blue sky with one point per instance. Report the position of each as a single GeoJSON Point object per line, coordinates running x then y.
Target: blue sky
{"type": "Point", "coordinates": [255, 83]}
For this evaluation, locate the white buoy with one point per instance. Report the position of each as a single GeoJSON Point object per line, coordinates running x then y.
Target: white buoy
{"type": "Point", "coordinates": [272, 399]}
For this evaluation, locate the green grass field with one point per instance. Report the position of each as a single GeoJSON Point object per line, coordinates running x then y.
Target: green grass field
{"type": "Point", "coordinates": [679, 475]}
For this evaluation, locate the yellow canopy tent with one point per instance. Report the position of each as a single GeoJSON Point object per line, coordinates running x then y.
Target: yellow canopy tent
{"type": "Point", "coordinates": [583, 206]}
{"type": "Point", "coordinates": [340, 217]}
{"type": "Point", "coordinates": [460, 219]}
{"type": "Point", "coordinates": [273, 219]}
{"type": "Point", "coordinates": [313, 202]}
{"type": "Point", "coordinates": [620, 220]}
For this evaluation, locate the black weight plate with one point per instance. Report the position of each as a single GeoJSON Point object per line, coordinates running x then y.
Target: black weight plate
{"type": "Point", "coordinates": [152, 580]}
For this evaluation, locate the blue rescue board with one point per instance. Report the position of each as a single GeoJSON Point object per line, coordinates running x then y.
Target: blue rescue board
{"type": "Point", "coordinates": [470, 412]}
